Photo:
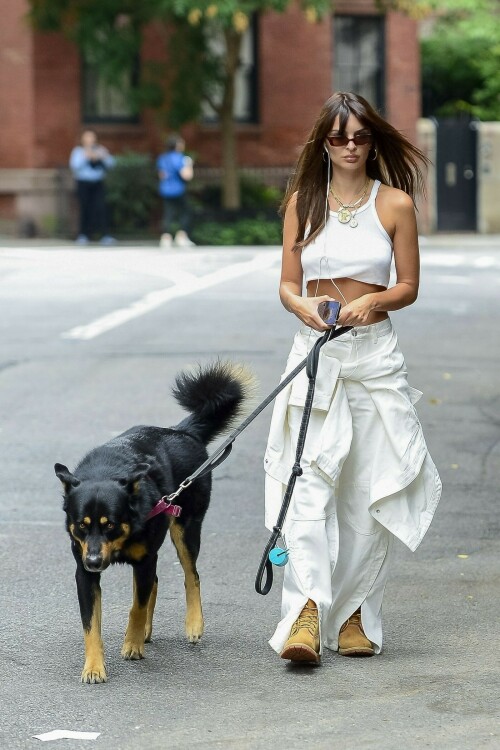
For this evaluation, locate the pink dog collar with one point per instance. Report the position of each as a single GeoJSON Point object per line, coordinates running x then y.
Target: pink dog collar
{"type": "Point", "coordinates": [164, 507]}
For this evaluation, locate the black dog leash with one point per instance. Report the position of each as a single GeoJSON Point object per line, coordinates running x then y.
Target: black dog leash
{"type": "Point", "coordinates": [266, 565]}
{"type": "Point", "coordinates": [166, 505]}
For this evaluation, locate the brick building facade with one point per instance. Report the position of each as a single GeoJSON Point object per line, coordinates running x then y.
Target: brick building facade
{"type": "Point", "coordinates": [296, 68]}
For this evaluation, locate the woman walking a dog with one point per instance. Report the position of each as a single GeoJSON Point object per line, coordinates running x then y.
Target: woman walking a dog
{"type": "Point", "coordinates": [367, 476]}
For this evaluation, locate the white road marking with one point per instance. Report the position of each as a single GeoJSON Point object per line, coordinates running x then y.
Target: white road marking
{"type": "Point", "coordinates": [485, 261]}
{"type": "Point", "coordinates": [155, 299]}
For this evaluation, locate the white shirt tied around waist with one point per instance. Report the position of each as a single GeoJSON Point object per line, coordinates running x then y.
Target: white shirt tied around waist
{"type": "Point", "coordinates": [363, 253]}
{"type": "Point", "coordinates": [405, 486]}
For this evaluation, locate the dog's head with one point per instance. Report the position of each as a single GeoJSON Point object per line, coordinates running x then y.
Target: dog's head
{"type": "Point", "coordinates": [100, 515]}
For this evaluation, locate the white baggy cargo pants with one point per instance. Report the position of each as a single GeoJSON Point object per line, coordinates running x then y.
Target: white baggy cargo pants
{"type": "Point", "coordinates": [367, 476]}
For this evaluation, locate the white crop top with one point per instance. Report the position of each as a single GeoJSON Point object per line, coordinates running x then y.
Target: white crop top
{"type": "Point", "coordinates": [363, 253]}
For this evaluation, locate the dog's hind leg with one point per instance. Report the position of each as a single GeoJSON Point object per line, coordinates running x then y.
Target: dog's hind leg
{"type": "Point", "coordinates": [89, 597]}
{"type": "Point", "coordinates": [144, 589]}
{"type": "Point", "coordinates": [187, 543]}
{"type": "Point", "coordinates": [150, 612]}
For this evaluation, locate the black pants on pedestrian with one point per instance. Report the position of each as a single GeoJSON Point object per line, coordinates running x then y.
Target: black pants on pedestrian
{"type": "Point", "coordinates": [92, 200]}
{"type": "Point", "coordinates": [176, 210]}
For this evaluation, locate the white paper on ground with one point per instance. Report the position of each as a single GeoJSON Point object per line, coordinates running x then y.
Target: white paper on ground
{"type": "Point", "coordinates": [66, 734]}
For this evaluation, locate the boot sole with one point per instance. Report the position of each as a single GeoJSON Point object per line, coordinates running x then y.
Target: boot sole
{"type": "Point", "coordinates": [357, 651]}
{"type": "Point", "coordinates": [301, 653]}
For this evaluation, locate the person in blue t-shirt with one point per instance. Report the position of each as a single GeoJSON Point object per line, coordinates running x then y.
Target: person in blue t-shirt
{"type": "Point", "coordinates": [89, 163]}
{"type": "Point", "coordinates": [175, 170]}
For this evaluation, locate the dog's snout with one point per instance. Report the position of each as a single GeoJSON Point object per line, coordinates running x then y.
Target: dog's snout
{"type": "Point", "coordinates": [94, 562]}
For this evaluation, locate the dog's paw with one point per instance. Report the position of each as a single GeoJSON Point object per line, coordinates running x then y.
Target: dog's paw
{"type": "Point", "coordinates": [147, 635]}
{"type": "Point", "coordinates": [93, 674]}
{"type": "Point", "coordinates": [194, 629]}
{"type": "Point", "coordinates": [131, 650]}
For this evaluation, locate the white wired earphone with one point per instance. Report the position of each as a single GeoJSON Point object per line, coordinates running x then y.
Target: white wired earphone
{"type": "Point", "coordinates": [327, 208]}
{"type": "Point", "coordinates": [325, 257]}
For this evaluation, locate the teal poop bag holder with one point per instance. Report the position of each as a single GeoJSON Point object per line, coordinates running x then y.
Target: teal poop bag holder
{"type": "Point", "coordinates": [278, 556]}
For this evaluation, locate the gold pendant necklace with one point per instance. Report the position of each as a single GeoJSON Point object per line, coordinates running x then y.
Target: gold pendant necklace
{"type": "Point", "coordinates": [353, 203]}
{"type": "Point", "coordinates": [347, 205]}
{"type": "Point", "coordinates": [344, 215]}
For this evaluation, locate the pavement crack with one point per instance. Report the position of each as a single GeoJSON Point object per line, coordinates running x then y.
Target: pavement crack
{"type": "Point", "coordinates": [486, 412]}
{"type": "Point", "coordinates": [10, 364]}
{"type": "Point", "coordinates": [485, 459]}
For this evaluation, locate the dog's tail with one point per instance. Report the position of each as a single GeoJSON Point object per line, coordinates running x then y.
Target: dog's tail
{"type": "Point", "coordinates": [216, 396]}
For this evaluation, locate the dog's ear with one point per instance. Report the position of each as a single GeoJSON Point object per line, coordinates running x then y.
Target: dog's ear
{"type": "Point", "coordinates": [67, 478]}
{"type": "Point", "coordinates": [140, 471]}
{"type": "Point", "coordinates": [132, 483]}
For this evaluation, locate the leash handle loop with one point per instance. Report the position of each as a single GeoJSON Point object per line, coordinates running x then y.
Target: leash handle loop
{"type": "Point", "coordinates": [266, 567]}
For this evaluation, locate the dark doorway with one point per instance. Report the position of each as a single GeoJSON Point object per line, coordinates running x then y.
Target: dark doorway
{"type": "Point", "coordinates": [456, 174]}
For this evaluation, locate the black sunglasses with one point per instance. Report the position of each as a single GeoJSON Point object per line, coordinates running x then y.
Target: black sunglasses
{"type": "Point", "coordinates": [360, 139]}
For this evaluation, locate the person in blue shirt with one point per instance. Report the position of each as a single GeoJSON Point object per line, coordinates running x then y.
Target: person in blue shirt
{"type": "Point", "coordinates": [89, 163]}
{"type": "Point", "coordinates": [175, 170]}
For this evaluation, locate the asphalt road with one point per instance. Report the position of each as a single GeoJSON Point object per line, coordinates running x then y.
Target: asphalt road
{"type": "Point", "coordinates": [91, 340]}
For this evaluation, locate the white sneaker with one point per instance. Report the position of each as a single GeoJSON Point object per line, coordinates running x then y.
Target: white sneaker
{"type": "Point", "coordinates": [166, 240]}
{"type": "Point", "coordinates": [82, 239]}
{"type": "Point", "coordinates": [108, 240]}
{"type": "Point", "coordinates": [182, 240]}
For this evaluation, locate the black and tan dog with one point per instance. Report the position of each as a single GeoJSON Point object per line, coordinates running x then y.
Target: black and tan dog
{"type": "Point", "coordinates": [110, 497]}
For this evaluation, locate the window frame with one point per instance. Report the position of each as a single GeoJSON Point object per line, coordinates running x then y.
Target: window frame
{"type": "Point", "coordinates": [91, 119]}
{"type": "Point", "coordinates": [380, 81]}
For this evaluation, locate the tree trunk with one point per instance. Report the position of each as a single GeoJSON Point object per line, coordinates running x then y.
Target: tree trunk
{"type": "Point", "coordinates": [230, 178]}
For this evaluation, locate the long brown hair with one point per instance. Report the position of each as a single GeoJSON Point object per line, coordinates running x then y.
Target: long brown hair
{"type": "Point", "coordinates": [396, 162]}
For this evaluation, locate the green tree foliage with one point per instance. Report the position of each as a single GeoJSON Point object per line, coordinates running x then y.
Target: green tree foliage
{"type": "Point", "coordinates": [461, 59]}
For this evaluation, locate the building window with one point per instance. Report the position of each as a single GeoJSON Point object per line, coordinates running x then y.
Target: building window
{"type": "Point", "coordinates": [246, 98]}
{"type": "Point", "coordinates": [359, 64]}
{"type": "Point", "coordinates": [106, 102]}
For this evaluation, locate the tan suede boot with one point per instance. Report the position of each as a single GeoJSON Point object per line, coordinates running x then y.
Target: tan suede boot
{"type": "Point", "coordinates": [303, 643]}
{"type": "Point", "coordinates": [352, 638]}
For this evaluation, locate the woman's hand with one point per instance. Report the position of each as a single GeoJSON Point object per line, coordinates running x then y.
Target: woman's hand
{"type": "Point", "coordinates": [357, 312]}
{"type": "Point", "coordinates": [306, 309]}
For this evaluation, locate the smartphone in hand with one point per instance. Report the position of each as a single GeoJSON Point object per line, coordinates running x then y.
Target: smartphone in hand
{"type": "Point", "coordinates": [329, 312]}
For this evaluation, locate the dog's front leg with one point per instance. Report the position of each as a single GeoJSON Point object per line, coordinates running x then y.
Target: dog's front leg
{"type": "Point", "coordinates": [140, 621]}
{"type": "Point", "coordinates": [89, 597]}
{"type": "Point", "coordinates": [187, 543]}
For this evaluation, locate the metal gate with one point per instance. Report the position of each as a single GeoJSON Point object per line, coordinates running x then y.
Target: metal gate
{"type": "Point", "coordinates": [456, 169]}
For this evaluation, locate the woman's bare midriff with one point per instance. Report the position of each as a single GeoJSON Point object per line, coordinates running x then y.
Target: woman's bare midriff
{"type": "Point", "coordinates": [351, 290]}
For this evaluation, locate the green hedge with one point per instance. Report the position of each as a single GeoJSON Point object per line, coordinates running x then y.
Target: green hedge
{"type": "Point", "coordinates": [256, 223]}
{"type": "Point", "coordinates": [258, 231]}
{"type": "Point", "coordinates": [254, 195]}
{"type": "Point", "coordinates": [132, 195]}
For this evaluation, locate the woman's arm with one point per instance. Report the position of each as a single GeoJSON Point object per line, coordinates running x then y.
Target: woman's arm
{"type": "Point", "coordinates": [305, 308]}
{"type": "Point", "coordinates": [400, 213]}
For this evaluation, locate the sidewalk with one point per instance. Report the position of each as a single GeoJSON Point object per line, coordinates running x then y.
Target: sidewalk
{"type": "Point", "coordinates": [460, 241]}
{"type": "Point", "coordinates": [455, 241]}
